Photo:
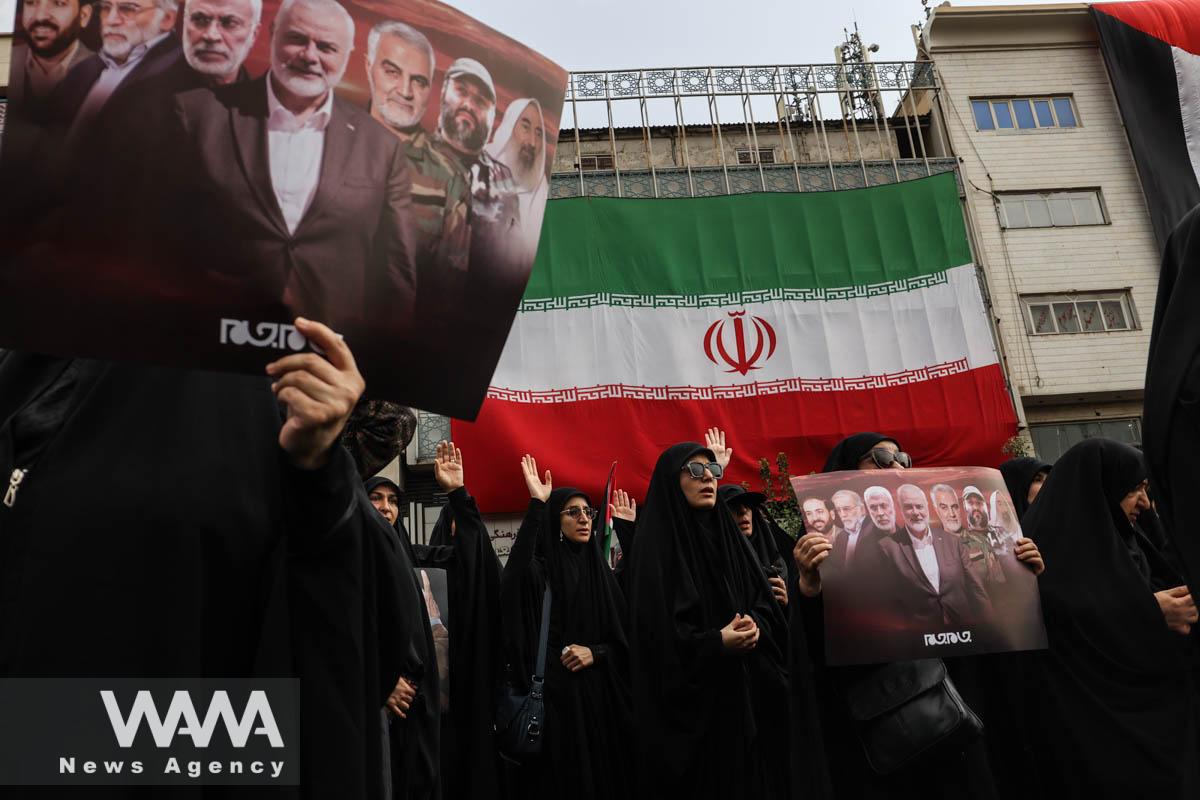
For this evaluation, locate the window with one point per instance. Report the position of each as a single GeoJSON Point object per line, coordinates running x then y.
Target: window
{"type": "Point", "coordinates": [1087, 312]}
{"type": "Point", "coordinates": [596, 162]}
{"type": "Point", "coordinates": [1024, 113]}
{"type": "Point", "coordinates": [1051, 209]}
{"type": "Point", "coordinates": [1051, 441]}
{"type": "Point", "coordinates": [766, 155]}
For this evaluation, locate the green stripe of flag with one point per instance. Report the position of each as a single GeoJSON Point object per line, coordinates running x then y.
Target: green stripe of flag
{"type": "Point", "coordinates": [721, 245]}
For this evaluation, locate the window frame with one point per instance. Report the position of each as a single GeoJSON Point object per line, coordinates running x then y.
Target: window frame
{"type": "Point", "coordinates": [595, 158]}
{"type": "Point", "coordinates": [1002, 214]}
{"type": "Point", "coordinates": [1123, 296]}
{"type": "Point", "coordinates": [1036, 429]}
{"type": "Point", "coordinates": [1033, 100]}
{"type": "Point", "coordinates": [756, 158]}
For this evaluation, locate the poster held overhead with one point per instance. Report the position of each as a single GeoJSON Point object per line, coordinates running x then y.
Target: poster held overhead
{"type": "Point", "coordinates": [377, 166]}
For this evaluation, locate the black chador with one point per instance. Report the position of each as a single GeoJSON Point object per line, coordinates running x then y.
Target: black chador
{"type": "Point", "coordinates": [1171, 421]}
{"type": "Point", "coordinates": [708, 719]}
{"type": "Point", "coordinates": [460, 544]}
{"type": "Point", "coordinates": [1112, 709]}
{"type": "Point", "coordinates": [160, 531]}
{"type": "Point", "coordinates": [586, 750]}
{"type": "Point", "coordinates": [1018, 477]}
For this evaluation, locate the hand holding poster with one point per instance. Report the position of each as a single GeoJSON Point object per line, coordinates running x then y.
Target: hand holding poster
{"type": "Point", "coordinates": [219, 167]}
{"type": "Point", "coordinates": [924, 563]}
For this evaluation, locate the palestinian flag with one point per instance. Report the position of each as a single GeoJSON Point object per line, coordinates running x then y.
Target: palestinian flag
{"type": "Point", "coordinates": [606, 547]}
{"type": "Point", "coordinates": [788, 320]}
{"type": "Point", "coordinates": [1152, 50]}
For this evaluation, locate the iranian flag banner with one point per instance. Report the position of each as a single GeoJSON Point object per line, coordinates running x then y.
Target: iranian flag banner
{"type": "Point", "coordinates": [788, 320]}
{"type": "Point", "coordinates": [1152, 50]}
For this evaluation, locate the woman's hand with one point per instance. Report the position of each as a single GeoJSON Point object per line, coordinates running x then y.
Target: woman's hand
{"type": "Point", "coordinates": [1178, 609]}
{"type": "Point", "coordinates": [576, 657]}
{"type": "Point", "coordinates": [779, 589]}
{"type": "Point", "coordinates": [810, 552]}
{"type": "Point", "coordinates": [400, 700]}
{"type": "Point", "coordinates": [538, 489]}
{"type": "Point", "coordinates": [1029, 555]}
{"type": "Point", "coordinates": [740, 635]}
{"type": "Point", "coordinates": [715, 440]}
{"type": "Point", "coordinates": [623, 506]}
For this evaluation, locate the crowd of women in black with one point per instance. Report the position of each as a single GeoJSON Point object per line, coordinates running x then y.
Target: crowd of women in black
{"type": "Point", "coordinates": [695, 668]}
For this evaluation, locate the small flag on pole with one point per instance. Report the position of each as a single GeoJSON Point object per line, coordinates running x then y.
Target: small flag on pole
{"type": "Point", "coordinates": [608, 516]}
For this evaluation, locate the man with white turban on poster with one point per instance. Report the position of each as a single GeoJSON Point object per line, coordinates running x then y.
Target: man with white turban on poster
{"type": "Point", "coordinates": [520, 144]}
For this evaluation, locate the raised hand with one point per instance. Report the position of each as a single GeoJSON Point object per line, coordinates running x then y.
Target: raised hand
{"type": "Point", "coordinates": [319, 395]}
{"type": "Point", "coordinates": [623, 506]}
{"type": "Point", "coordinates": [538, 489]}
{"type": "Point", "coordinates": [715, 440]}
{"type": "Point", "coordinates": [448, 467]}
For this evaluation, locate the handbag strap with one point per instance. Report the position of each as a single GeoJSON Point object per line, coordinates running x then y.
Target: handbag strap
{"type": "Point", "coordinates": [539, 673]}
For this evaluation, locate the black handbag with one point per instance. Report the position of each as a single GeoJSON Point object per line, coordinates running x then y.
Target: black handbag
{"type": "Point", "coordinates": [903, 710]}
{"type": "Point", "coordinates": [520, 717]}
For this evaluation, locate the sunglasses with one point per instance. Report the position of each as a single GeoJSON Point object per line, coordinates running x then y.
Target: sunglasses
{"type": "Point", "coordinates": [696, 469]}
{"type": "Point", "coordinates": [576, 512]}
{"type": "Point", "coordinates": [884, 458]}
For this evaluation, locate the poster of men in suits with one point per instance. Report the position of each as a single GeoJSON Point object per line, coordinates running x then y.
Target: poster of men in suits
{"type": "Point", "coordinates": [193, 175]}
{"type": "Point", "coordinates": [924, 563]}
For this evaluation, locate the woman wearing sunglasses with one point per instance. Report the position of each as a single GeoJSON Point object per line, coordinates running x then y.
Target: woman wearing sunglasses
{"type": "Point", "coordinates": [586, 739]}
{"type": "Point", "coordinates": [707, 643]}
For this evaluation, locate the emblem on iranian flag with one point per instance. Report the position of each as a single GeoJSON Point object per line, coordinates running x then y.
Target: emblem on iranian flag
{"type": "Point", "coordinates": [744, 357]}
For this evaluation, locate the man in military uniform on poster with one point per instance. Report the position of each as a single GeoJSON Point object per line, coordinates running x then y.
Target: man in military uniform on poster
{"type": "Point", "coordinates": [400, 66]}
{"type": "Point", "coordinates": [982, 539]}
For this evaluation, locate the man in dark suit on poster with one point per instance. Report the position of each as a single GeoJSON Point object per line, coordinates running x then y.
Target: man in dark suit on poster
{"type": "Point", "coordinates": [296, 199]}
{"type": "Point", "coordinates": [929, 573]}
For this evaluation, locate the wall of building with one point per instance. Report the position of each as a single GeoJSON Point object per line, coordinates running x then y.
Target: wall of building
{"type": "Point", "coordinates": [1121, 254]}
{"type": "Point", "coordinates": [704, 149]}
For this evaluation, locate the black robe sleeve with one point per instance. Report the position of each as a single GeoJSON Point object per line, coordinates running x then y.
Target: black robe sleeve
{"type": "Point", "coordinates": [474, 578]}
{"type": "Point", "coordinates": [521, 587]}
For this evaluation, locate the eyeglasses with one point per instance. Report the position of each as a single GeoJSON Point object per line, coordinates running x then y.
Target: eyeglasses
{"type": "Point", "coordinates": [575, 512]}
{"type": "Point", "coordinates": [884, 458]}
{"type": "Point", "coordinates": [696, 469]}
{"type": "Point", "coordinates": [124, 10]}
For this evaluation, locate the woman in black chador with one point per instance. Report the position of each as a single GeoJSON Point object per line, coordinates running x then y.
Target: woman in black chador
{"type": "Point", "coordinates": [707, 643]}
{"type": "Point", "coordinates": [586, 740]}
{"type": "Point", "coordinates": [1114, 712]}
{"type": "Point", "coordinates": [1024, 478]}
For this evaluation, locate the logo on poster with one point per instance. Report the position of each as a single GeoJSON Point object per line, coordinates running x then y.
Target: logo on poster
{"type": "Point", "coordinates": [275, 335]}
{"type": "Point", "coordinates": [741, 361]}
{"type": "Point", "coordinates": [934, 639]}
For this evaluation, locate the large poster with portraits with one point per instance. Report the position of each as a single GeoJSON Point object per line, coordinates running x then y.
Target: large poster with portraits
{"type": "Point", "coordinates": [183, 180]}
{"type": "Point", "coordinates": [924, 563]}
{"type": "Point", "coordinates": [435, 590]}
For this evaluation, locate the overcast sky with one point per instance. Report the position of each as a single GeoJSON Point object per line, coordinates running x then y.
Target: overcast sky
{"type": "Point", "coordinates": [616, 34]}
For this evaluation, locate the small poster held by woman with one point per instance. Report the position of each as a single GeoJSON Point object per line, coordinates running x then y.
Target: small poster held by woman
{"type": "Point", "coordinates": [924, 563]}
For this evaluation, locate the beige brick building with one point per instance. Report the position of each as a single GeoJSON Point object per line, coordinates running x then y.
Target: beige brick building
{"type": "Point", "coordinates": [1059, 220]}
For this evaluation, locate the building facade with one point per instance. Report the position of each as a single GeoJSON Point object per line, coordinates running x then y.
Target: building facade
{"type": "Point", "coordinates": [1059, 220]}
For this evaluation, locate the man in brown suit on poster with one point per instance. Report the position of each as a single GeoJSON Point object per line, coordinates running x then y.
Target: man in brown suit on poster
{"type": "Point", "coordinates": [297, 202]}
{"type": "Point", "coordinates": [929, 572]}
